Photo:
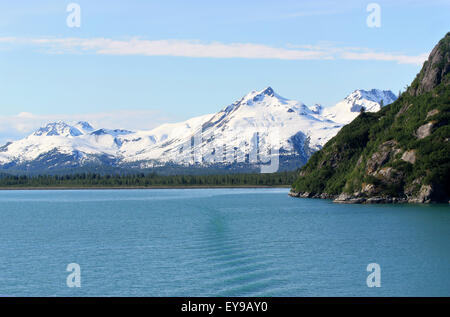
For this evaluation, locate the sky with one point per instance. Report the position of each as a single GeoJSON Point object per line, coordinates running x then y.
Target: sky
{"type": "Point", "coordinates": [137, 64]}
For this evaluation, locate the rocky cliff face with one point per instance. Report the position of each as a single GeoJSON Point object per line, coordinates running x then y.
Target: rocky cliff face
{"type": "Point", "coordinates": [434, 70]}
{"type": "Point", "coordinates": [398, 154]}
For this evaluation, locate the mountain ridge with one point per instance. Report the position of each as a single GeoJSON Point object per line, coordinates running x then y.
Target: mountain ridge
{"type": "Point", "coordinates": [235, 136]}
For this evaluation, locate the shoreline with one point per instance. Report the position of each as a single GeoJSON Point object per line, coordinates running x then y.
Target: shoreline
{"type": "Point", "coordinates": [139, 187]}
{"type": "Point", "coordinates": [355, 200]}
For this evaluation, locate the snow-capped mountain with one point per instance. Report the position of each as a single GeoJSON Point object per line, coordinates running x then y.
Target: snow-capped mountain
{"type": "Point", "coordinates": [230, 135]}
{"type": "Point", "coordinates": [348, 109]}
{"type": "Point", "coordinates": [259, 128]}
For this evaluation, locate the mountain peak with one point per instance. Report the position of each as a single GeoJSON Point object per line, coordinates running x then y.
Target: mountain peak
{"type": "Point", "coordinates": [55, 125]}
{"type": "Point", "coordinates": [369, 100]}
{"type": "Point", "coordinates": [375, 95]}
{"type": "Point", "coordinates": [434, 70]}
{"type": "Point", "coordinates": [267, 99]}
{"type": "Point", "coordinates": [256, 96]}
{"type": "Point", "coordinates": [268, 91]}
{"type": "Point", "coordinates": [59, 128]}
{"type": "Point", "coordinates": [84, 126]}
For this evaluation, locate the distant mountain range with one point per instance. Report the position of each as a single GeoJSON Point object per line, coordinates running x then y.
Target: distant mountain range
{"type": "Point", "coordinates": [252, 133]}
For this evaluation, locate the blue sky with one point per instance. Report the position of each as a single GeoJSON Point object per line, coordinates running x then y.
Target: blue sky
{"type": "Point", "coordinates": [136, 64]}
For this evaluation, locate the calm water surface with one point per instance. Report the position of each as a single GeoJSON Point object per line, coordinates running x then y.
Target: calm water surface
{"type": "Point", "coordinates": [217, 242]}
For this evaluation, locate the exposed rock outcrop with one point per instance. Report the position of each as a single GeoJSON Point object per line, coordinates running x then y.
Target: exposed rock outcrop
{"type": "Point", "coordinates": [385, 151]}
{"type": "Point", "coordinates": [435, 69]}
{"type": "Point", "coordinates": [409, 156]}
{"type": "Point", "coordinates": [424, 195]}
{"type": "Point", "coordinates": [424, 130]}
{"type": "Point", "coordinates": [432, 113]}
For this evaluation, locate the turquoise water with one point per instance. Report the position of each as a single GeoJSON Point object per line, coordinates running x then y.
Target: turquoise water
{"type": "Point", "coordinates": [217, 242]}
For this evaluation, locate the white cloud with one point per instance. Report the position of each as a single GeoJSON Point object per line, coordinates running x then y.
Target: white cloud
{"type": "Point", "coordinates": [194, 48]}
{"type": "Point", "coordinates": [374, 56]}
{"type": "Point", "coordinates": [15, 127]}
{"type": "Point", "coordinates": [362, 53]}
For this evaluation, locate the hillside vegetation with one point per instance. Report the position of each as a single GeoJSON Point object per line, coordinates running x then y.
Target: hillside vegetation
{"type": "Point", "coordinates": [401, 153]}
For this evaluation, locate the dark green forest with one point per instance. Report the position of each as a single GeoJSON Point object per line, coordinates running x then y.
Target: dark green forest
{"type": "Point", "coordinates": [145, 180]}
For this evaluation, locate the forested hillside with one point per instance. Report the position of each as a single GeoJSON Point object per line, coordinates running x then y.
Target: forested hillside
{"type": "Point", "coordinates": [401, 153]}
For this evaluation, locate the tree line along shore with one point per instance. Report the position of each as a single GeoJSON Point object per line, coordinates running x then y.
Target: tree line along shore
{"type": "Point", "coordinates": [152, 180]}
